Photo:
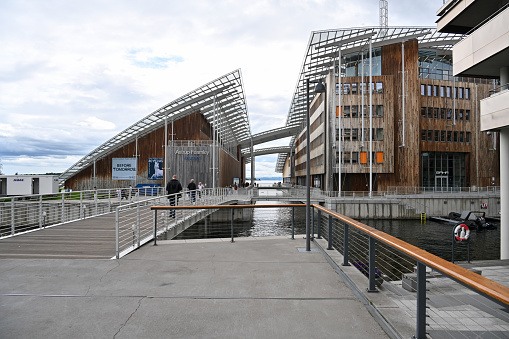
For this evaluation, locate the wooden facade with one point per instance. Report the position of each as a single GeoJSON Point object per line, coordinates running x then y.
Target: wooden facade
{"type": "Point", "coordinates": [432, 124]}
{"type": "Point", "coordinates": [193, 127]}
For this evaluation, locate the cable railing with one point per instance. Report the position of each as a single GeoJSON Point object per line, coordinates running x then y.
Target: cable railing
{"type": "Point", "coordinates": [434, 293]}
{"type": "Point", "coordinates": [20, 214]}
{"type": "Point", "coordinates": [134, 222]}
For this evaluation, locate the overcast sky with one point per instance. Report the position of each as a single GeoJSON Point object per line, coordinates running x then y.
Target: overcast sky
{"type": "Point", "coordinates": [75, 73]}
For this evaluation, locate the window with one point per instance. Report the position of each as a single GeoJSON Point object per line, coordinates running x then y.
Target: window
{"type": "Point", "coordinates": [362, 88]}
{"type": "Point", "coordinates": [355, 134]}
{"type": "Point", "coordinates": [449, 136]}
{"type": "Point", "coordinates": [423, 112]}
{"type": "Point", "coordinates": [355, 157]}
{"type": "Point", "coordinates": [372, 86]}
{"type": "Point", "coordinates": [379, 134]}
{"type": "Point", "coordinates": [449, 114]}
{"type": "Point", "coordinates": [346, 88]}
{"type": "Point", "coordinates": [467, 93]}
{"type": "Point", "coordinates": [379, 111]}
{"type": "Point", "coordinates": [461, 92]}
{"type": "Point", "coordinates": [337, 88]}
{"type": "Point", "coordinates": [364, 158]}
{"type": "Point", "coordinates": [467, 115]}
{"type": "Point", "coordinates": [449, 91]}
{"type": "Point", "coordinates": [379, 87]}
{"type": "Point", "coordinates": [346, 111]}
{"type": "Point", "coordinates": [456, 114]}
{"type": "Point", "coordinates": [430, 112]}
{"type": "Point", "coordinates": [346, 157]}
{"type": "Point", "coordinates": [423, 135]}
{"type": "Point", "coordinates": [430, 90]}
{"type": "Point", "coordinates": [442, 136]}
{"type": "Point", "coordinates": [461, 115]}
{"type": "Point", "coordinates": [346, 134]}
{"type": "Point", "coordinates": [435, 90]}
{"type": "Point", "coordinates": [379, 157]}
{"type": "Point", "coordinates": [437, 136]}
{"type": "Point", "coordinates": [455, 136]}
{"type": "Point", "coordinates": [364, 111]}
{"type": "Point", "coordinates": [442, 113]}
{"type": "Point", "coordinates": [423, 89]}
{"type": "Point", "coordinates": [355, 111]}
{"type": "Point", "coordinates": [467, 136]}
{"type": "Point", "coordinates": [462, 136]}
{"type": "Point", "coordinates": [355, 88]}
{"type": "Point", "coordinates": [436, 114]}
{"type": "Point", "coordinates": [442, 91]}
{"type": "Point", "coordinates": [430, 135]}
{"type": "Point", "coordinates": [456, 92]}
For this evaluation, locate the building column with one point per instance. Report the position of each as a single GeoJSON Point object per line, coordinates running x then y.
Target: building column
{"type": "Point", "coordinates": [252, 164]}
{"type": "Point", "coordinates": [504, 193]}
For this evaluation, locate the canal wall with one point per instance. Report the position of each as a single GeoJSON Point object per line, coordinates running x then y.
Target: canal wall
{"type": "Point", "coordinates": [411, 206]}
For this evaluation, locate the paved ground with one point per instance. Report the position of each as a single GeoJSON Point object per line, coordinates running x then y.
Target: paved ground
{"type": "Point", "coordinates": [253, 288]}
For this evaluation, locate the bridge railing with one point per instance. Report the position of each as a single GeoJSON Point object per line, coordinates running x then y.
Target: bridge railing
{"type": "Point", "coordinates": [434, 293]}
{"type": "Point", "coordinates": [19, 214]}
{"type": "Point", "coordinates": [134, 221]}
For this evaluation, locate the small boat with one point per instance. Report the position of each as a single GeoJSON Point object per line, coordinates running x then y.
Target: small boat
{"type": "Point", "coordinates": [475, 220]}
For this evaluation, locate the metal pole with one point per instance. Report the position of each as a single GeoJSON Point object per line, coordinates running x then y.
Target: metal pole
{"type": "Point", "coordinates": [40, 211]}
{"type": "Point", "coordinates": [116, 234]}
{"type": "Point", "coordinates": [312, 222]}
{"type": "Point", "coordinates": [293, 223]}
{"type": "Point", "coordinates": [319, 225]}
{"type": "Point", "coordinates": [165, 174]}
{"type": "Point", "coordinates": [308, 190]}
{"type": "Point", "coordinates": [13, 226]}
{"type": "Point", "coordinates": [340, 160]}
{"type": "Point", "coordinates": [372, 277]}
{"type": "Point", "coordinates": [345, 245]}
{"type": "Point", "coordinates": [138, 222]}
{"type": "Point", "coordinates": [155, 227]}
{"type": "Point", "coordinates": [329, 247]}
{"type": "Point", "coordinates": [403, 94]}
{"type": "Point", "coordinates": [421, 301]}
{"type": "Point", "coordinates": [370, 118]}
{"type": "Point", "coordinates": [233, 211]}
{"type": "Point", "coordinates": [214, 145]}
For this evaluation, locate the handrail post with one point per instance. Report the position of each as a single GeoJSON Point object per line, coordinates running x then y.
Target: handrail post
{"type": "Point", "coordinates": [63, 206]}
{"type": "Point", "coordinates": [345, 245]}
{"type": "Point", "coordinates": [155, 227]}
{"type": "Point", "coordinates": [138, 222]}
{"type": "Point", "coordinates": [40, 211]}
{"type": "Point", "coordinates": [117, 234]}
{"type": "Point", "coordinates": [329, 247]}
{"type": "Point", "coordinates": [312, 222]}
{"type": "Point", "coordinates": [232, 222]}
{"type": "Point", "coordinates": [319, 225]}
{"type": "Point", "coordinates": [371, 269]}
{"type": "Point", "coordinates": [13, 219]}
{"type": "Point", "coordinates": [82, 215]}
{"type": "Point", "coordinates": [421, 301]}
{"type": "Point", "coordinates": [293, 223]}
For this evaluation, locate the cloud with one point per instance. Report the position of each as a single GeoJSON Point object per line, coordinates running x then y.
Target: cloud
{"type": "Point", "coordinates": [97, 124]}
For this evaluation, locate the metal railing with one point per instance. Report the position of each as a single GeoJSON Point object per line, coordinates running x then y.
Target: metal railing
{"type": "Point", "coordinates": [437, 292]}
{"type": "Point", "coordinates": [397, 190]}
{"type": "Point", "coordinates": [21, 214]}
{"type": "Point", "coordinates": [134, 222]}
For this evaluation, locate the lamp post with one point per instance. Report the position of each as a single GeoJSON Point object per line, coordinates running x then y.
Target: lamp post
{"type": "Point", "coordinates": [320, 88]}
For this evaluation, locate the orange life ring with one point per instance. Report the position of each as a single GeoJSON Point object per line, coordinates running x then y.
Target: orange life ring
{"type": "Point", "coordinates": [461, 232]}
{"type": "Point", "coordinates": [484, 205]}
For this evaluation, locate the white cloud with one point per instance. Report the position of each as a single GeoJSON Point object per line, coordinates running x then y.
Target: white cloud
{"type": "Point", "coordinates": [96, 124]}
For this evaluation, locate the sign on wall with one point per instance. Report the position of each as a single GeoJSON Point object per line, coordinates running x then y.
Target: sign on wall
{"type": "Point", "coordinates": [123, 169]}
{"type": "Point", "coordinates": [155, 169]}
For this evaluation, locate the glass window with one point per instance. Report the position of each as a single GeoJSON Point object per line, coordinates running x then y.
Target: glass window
{"type": "Point", "coordinates": [455, 136]}
{"type": "Point", "coordinates": [355, 134]}
{"type": "Point", "coordinates": [346, 157]}
{"type": "Point", "coordinates": [364, 111]}
{"type": "Point", "coordinates": [423, 112]}
{"type": "Point", "coordinates": [337, 88]}
{"type": "Point", "coordinates": [449, 114]}
{"type": "Point", "coordinates": [362, 88]}
{"type": "Point", "coordinates": [467, 93]}
{"type": "Point", "coordinates": [379, 134]}
{"type": "Point", "coordinates": [456, 92]}
{"type": "Point", "coordinates": [355, 111]}
{"type": "Point", "coordinates": [461, 92]}
{"type": "Point", "coordinates": [430, 135]}
{"type": "Point", "coordinates": [436, 114]}
{"type": "Point", "coordinates": [379, 111]}
{"type": "Point", "coordinates": [423, 89]}
{"type": "Point", "coordinates": [346, 134]}
{"type": "Point", "coordinates": [373, 89]}
{"type": "Point", "coordinates": [449, 136]}
{"type": "Point", "coordinates": [379, 87]}
{"type": "Point", "coordinates": [461, 114]}
{"type": "Point", "coordinates": [442, 113]}
{"type": "Point", "coordinates": [379, 157]}
{"type": "Point", "coordinates": [462, 136]}
{"type": "Point", "coordinates": [355, 88]}
{"type": "Point", "coordinates": [430, 112]}
{"type": "Point", "coordinates": [437, 137]}
{"type": "Point", "coordinates": [346, 88]}
{"type": "Point", "coordinates": [430, 90]}
{"type": "Point", "coordinates": [355, 157]}
{"type": "Point", "coordinates": [346, 111]}
{"type": "Point", "coordinates": [467, 115]}
{"type": "Point", "coordinates": [423, 135]}
{"type": "Point", "coordinates": [442, 136]}
{"type": "Point", "coordinates": [435, 90]}
{"type": "Point", "coordinates": [449, 89]}
{"type": "Point", "coordinates": [442, 91]}
{"type": "Point", "coordinates": [467, 136]}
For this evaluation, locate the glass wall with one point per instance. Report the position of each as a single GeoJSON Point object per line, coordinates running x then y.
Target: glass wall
{"type": "Point", "coordinates": [443, 170]}
{"type": "Point", "coordinates": [353, 63]}
{"type": "Point", "coordinates": [433, 66]}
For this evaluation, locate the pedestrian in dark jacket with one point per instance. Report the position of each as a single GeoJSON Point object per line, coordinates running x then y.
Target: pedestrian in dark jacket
{"type": "Point", "coordinates": [173, 189]}
{"type": "Point", "coordinates": [192, 191]}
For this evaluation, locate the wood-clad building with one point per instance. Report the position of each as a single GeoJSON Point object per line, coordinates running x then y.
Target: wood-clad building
{"type": "Point", "coordinates": [424, 124]}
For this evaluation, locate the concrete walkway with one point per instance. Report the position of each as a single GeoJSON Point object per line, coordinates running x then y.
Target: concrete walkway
{"type": "Point", "coordinates": [253, 288]}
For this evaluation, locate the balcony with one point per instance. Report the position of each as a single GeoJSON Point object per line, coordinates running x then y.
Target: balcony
{"type": "Point", "coordinates": [495, 110]}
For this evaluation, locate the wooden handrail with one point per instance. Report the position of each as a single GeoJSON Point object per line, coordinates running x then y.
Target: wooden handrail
{"type": "Point", "coordinates": [482, 284]}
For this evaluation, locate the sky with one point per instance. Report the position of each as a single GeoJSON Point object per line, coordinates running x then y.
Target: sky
{"type": "Point", "coordinates": [75, 73]}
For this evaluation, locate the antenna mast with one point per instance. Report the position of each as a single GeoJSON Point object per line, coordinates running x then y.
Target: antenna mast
{"type": "Point", "coordinates": [384, 16]}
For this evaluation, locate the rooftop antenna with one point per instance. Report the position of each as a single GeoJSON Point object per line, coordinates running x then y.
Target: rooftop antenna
{"type": "Point", "coordinates": [384, 17]}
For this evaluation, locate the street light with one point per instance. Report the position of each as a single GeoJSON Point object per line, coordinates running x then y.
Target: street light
{"type": "Point", "coordinates": [320, 88]}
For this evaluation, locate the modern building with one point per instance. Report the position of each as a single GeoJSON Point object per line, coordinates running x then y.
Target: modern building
{"type": "Point", "coordinates": [484, 53]}
{"type": "Point", "coordinates": [392, 114]}
{"type": "Point", "coordinates": [196, 136]}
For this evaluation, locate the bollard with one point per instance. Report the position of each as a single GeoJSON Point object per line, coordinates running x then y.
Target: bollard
{"type": "Point", "coordinates": [372, 263]}
{"type": "Point", "coordinates": [421, 301]}
{"type": "Point", "coordinates": [155, 227]}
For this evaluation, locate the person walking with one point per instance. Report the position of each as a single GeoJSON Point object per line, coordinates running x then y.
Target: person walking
{"type": "Point", "coordinates": [192, 191]}
{"type": "Point", "coordinates": [200, 189]}
{"type": "Point", "coordinates": [172, 189]}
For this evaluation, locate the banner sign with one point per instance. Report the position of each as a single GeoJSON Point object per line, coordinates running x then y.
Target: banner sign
{"type": "Point", "coordinates": [155, 169]}
{"type": "Point", "coordinates": [123, 169]}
